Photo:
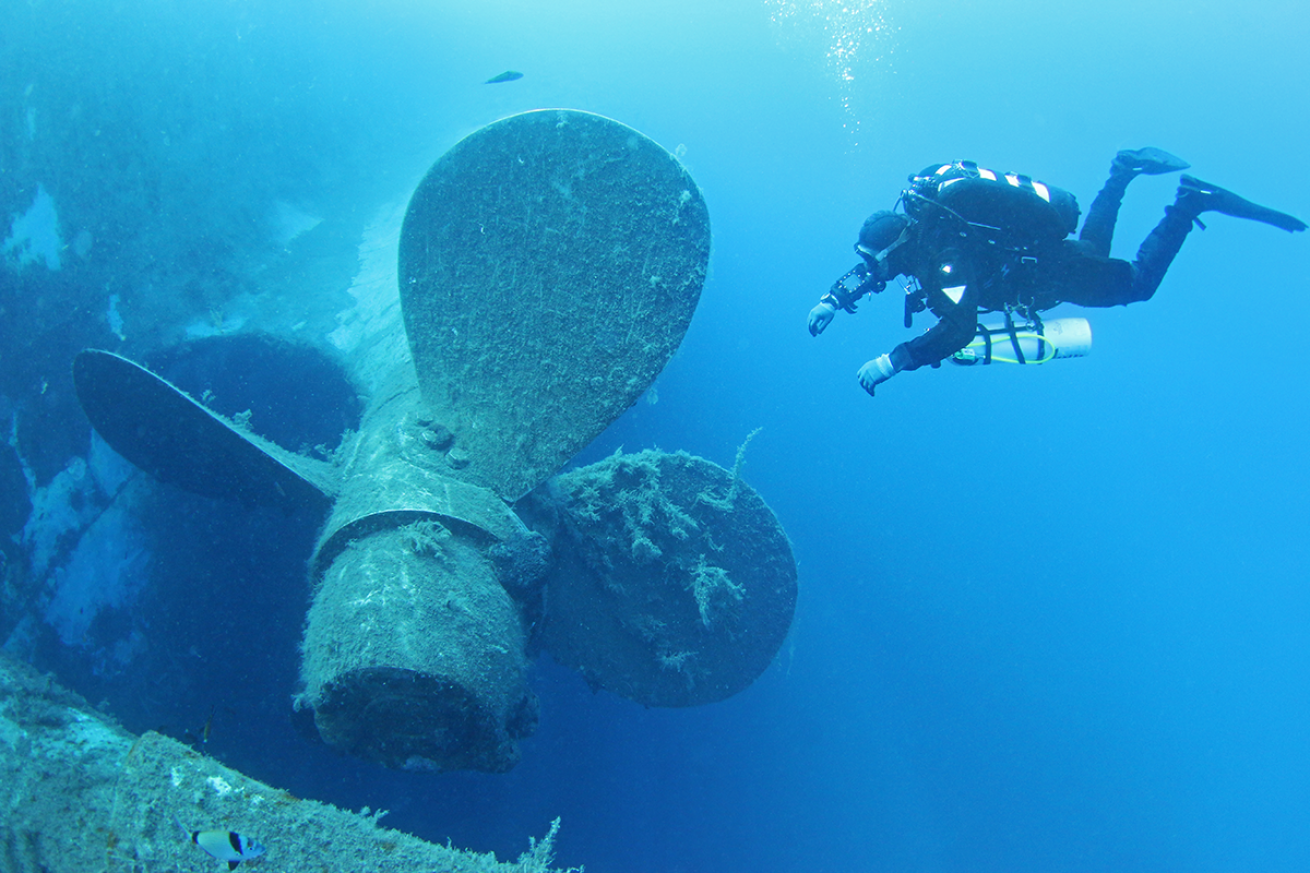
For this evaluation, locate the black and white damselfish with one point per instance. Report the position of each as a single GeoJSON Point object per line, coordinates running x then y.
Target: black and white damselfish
{"type": "Point", "coordinates": [226, 846]}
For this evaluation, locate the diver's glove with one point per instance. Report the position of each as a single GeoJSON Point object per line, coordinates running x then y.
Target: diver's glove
{"type": "Point", "coordinates": [875, 372]}
{"type": "Point", "coordinates": [821, 316]}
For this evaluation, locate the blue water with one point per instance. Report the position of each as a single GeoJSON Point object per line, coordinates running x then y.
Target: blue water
{"type": "Point", "coordinates": [1051, 618]}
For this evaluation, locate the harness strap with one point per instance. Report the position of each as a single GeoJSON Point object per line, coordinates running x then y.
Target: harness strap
{"type": "Point", "coordinates": [1014, 337]}
{"type": "Point", "coordinates": [1041, 336]}
{"type": "Point", "coordinates": [987, 343]}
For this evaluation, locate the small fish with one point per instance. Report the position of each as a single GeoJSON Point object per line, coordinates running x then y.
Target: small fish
{"type": "Point", "coordinates": [507, 76]}
{"type": "Point", "coordinates": [198, 740]}
{"type": "Point", "coordinates": [227, 846]}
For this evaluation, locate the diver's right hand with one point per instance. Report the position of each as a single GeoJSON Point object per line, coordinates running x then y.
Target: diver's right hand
{"type": "Point", "coordinates": [820, 317]}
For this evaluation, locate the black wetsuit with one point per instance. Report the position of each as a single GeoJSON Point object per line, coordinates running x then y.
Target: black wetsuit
{"type": "Point", "coordinates": [960, 272]}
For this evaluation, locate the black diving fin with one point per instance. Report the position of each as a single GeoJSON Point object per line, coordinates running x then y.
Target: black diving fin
{"type": "Point", "coordinates": [1196, 197]}
{"type": "Point", "coordinates": [1151, 161]}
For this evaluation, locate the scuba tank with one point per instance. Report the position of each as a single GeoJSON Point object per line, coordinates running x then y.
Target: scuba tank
{"type": "Point", "coordinates": [1033, 343]}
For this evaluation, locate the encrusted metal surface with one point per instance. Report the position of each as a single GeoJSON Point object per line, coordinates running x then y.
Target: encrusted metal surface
{"type": "Point", "coordinates": [177, 440]}
{"type": "Point", "coordinates": [673, 582]}
{"type": "Point", "coordinates": [550, 264]}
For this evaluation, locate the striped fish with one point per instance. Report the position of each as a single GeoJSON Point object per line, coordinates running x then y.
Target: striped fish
{"type": "Point", "coordinates": [227, 846]}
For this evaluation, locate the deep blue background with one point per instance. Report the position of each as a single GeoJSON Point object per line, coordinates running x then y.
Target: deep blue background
{"type": "Point", "coordinates": [1051, 618]}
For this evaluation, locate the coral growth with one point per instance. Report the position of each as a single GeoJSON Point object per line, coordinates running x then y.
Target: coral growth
{"type": "Point", "coordinates": [713, 590]}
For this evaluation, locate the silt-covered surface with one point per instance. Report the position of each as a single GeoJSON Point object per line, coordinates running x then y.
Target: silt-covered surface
{"type": "Point", "coordinates": [79, 794]}
{"type": "Point", "coordinates": [414, 653]}
{"type": "Point", "coordinates": [674, 584]}
{"type": "Point", "coordinates": [550, 264]}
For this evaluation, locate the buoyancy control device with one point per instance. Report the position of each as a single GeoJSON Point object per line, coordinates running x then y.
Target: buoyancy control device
{"type": "Point", "coordinates": [1007, 210]}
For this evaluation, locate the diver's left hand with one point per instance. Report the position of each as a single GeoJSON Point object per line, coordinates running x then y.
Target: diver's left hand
{"type": "Point", "coordinates": [875, 372]}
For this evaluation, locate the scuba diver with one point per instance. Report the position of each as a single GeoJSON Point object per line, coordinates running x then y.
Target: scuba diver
{"type": "Point", "coordinates": [970, 240]}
